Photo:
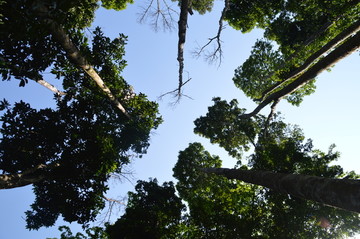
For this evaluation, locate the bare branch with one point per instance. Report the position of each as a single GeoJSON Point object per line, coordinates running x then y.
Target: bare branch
{"type": "Point", "coordinates": [177, 95]}
{"type": "Point", "coordinates": [112, 205]}
{"type": "Point", "coordinates": [217, 53]}
{"type": "Point", "coordinates": [270, 116]}
{"type": "Point", "coordinates": [50, 87]}
{"type": "Point", "coordinates": [160, 13]}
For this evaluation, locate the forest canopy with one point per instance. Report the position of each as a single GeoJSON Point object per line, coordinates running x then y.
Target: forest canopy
{"type": "Point", "coordinates": [280, 185]}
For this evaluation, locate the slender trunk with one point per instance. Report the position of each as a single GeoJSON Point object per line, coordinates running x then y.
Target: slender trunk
{"type": "Point", "coordinates": [340, 193]}
{"type": "Point", "coordinates": [184, 10]}
{"type": "Point", "coordinates": [335, 56]}
{"type": "Point", "coordinates": [30, 176]}
{"type": "Point", "coordinates": [76, 57]}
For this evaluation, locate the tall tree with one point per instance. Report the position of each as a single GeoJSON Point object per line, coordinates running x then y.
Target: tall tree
{"type": "Point", "coordinates": [153, 211]}
{"type": "Point", "coordinates": [68, 153]}
{"type": "Point", "coordinates": [279, 148]}
{"type": "Point", "coordinates": [312, 37]}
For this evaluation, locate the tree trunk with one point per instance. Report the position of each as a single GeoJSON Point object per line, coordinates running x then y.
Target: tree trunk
{"type": "Point", "coordinates": [340, 193]}
{"type": "Point", "coordinates": [335, 56]}
{"type": "Point", "coordinates": [340, 38]}
{"type": "Point", "coordinates": [184, 10]}
{"type": "Point", "coordinates": [76, 57]}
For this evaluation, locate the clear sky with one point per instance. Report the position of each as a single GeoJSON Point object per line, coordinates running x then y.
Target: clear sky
{"type": "Point", "coordinates": [330, 115]}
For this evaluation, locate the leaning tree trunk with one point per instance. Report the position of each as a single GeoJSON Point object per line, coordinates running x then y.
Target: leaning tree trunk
{"type": "Point", "coordinates": [341, 193]}
{"type": "Point", "coordinates": [332, 58]}
{"type": "Point", "coordinates": [73, 53]}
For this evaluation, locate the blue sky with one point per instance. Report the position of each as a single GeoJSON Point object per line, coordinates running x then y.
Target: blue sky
{"type": "Point", "coordinates": [331, 115]}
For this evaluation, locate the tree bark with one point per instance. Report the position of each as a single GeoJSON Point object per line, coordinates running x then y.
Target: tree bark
{"type": "Point", "coordinates": [30, 176]}
{"type": "Point", "coordinates": [340, 38]}
{"type": "Point", "coordinates": [332, 58]}
{"type": "Point", "coordinates": [76, 57]}
{"type": "Point", "coordinates": [340, 193]}
{"type": "Point", "coordinates": [184, 10]}
{"type": "Point", "coordinates": [50, 87]}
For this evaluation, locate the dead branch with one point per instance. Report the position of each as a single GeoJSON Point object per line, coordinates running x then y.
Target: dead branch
{"type": "Point", "coordinates": [217, 53]}
{"type": "Point", "coordinates": [111, 205]}
{"type": "Point", "coordinates": [176, 93]}
{"type": "Point", "coordinates": [184, 10]}
{"type": "Point", "coordinates": [160, 13]}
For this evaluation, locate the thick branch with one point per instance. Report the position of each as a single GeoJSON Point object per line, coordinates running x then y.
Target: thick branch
{"type": "Point", "coordinates": [340, 38]}
{"type": "Point", "coordinates": [28, 177]}
{"type": "Point", "coordinates": [336, 55]}
{"type": "Point", "coordinates": [341, 193]}
{"type": "Point", "coordinates": [76, 57]}
{"type": "Point", "coordinates": [50, 87]}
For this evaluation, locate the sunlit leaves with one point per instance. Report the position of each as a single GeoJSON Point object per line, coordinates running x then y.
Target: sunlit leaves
{"type": "Point", "coordinates": [224, 126]}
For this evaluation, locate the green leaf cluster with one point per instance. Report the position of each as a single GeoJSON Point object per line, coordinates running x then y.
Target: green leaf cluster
{"type": "Point", "coordinates": [84, 138]}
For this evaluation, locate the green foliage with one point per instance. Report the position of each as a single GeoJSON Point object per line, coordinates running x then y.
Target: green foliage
{"type": "Point", "coordinates": [251, 76]}
{"type": "Point", "coordinates": [201, 6]}
{"type": "Point", "coordinates": [85, 138]}
{"type": "Point", "coordinates": [115, 4]}
{"type": "Point", "coordinates": [298, 30]}
{"type": "Point", "coordinates": [152, 212]}
{"type": "Point", "coordinates": [215, 203]}
{"type": "Point", "coordinates": [223, 125]}
{"type": "Point", "coordinates": [246, 15]}
{"type": "Point", "coordinates": [91, 233]}
{"type": "Point", "coordinates": [279, 148]}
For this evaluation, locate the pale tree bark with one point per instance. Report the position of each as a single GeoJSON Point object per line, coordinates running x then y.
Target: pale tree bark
{"type": "Point", "coordinates": [50, 87]}
{"type": "Point", "coordinates": [340, 193]}
{"type": "Point", "coordinates": [74, 55]}
{"type": "Point", "coordinates": [28, 177]}
{"type": "Point", "coordinates": [350, 46]}
{"type": "Point", "coordinates": [336, 41]}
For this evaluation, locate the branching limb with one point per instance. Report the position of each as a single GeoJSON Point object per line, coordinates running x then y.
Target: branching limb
{"type": "Point", "coordinates": [160, 13]}
{"type": "Point", "coordinates": [332, 58]}
{"type": "Point", "coordinates": [35, 77]}
{"type": "Point", "coordinates": [112, 204]}
{"type": "Point", "coordinates": [217, 53]}
{"type": "Point", "coordinates": [176, 93]}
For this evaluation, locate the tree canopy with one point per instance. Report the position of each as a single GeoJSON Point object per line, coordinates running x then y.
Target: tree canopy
{"type": "Point", "coordinates": [68, 153]}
